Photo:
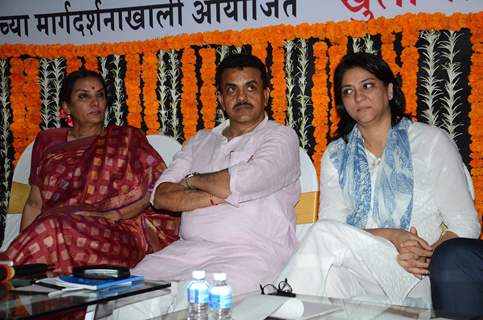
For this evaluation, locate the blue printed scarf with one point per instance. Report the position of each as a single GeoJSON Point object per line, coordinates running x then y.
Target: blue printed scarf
{"type": "Point", "coordinates": [393, 200]}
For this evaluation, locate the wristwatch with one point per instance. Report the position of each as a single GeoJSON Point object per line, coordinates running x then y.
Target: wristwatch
{"type": "Point", "coordinates": [188, 177]}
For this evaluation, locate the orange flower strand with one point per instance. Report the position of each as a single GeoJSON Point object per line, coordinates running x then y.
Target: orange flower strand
{"type": "Point", "coordinates": [336, 53]}
{"type": "Point", "coordinates": [476, 117]}
{"type": "Point", "coordinates": [91, 63]}
{"type": "Point", "coordinates": [387, 49]}
{"type": "Point", "coordinates": [73, 64]}
{"type": "Point", "coordinates": [279, 99]}
{"type": "Point", "coordinates": [320, 98]}
{"type": "Point", "coordinates": [188, 95]}
{"type": "Point", "coordinates": [149, 74]}
{"type": "Point", "coordinates": [409, 74]}
{"type": "Point", "coordinates": [133, 90]}
{"type": "Point", "coordinates": [208, 91]}
{"type": "Point", "coordinates": [260, 50]}
{"type": "Point", "coordinates": [19, 112]}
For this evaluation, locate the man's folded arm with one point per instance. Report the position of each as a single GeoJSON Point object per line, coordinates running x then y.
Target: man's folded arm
{"type": "Point", "coordinates": [176, 197]}
{"type": "Point", "coordinates": [215, 183]}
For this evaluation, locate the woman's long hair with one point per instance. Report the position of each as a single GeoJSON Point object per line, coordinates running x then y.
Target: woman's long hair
{"type": "Point", "coordinates": [381, 70]}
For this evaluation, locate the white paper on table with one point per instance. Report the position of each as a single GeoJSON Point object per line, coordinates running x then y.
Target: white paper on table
{"type": "Point", "coordinates": [258, 307]}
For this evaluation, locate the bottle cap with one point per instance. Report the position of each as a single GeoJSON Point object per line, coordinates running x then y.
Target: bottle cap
{"type": "Point", "coordinates": [198, 274]}
{"type": "Point", "coordinates": [219, 276]}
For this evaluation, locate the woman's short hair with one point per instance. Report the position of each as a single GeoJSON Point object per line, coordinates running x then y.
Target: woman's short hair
{"type": "Point", "coordinates": [381, 70]}
{"type": "Point", "coordinates": [240, 61]}
{"type": "Point", "coordinates": [71, 78]}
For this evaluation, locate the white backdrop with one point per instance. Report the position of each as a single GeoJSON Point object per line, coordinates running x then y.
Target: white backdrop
{"type": "Point", "coordinates": [95, 21]}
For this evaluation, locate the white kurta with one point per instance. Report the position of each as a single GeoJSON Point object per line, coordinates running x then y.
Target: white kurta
{"type": "Point", "coordinates": [250, 236]}
{"type": "Point", "coordinates": [336, 259]}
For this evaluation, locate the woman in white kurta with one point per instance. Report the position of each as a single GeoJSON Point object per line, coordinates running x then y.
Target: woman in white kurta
{"type": "Point", "coordinates": [387, 186]}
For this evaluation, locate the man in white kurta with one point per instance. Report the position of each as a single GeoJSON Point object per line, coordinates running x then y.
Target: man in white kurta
{"type": "Point", "coordinates": [237, 186]}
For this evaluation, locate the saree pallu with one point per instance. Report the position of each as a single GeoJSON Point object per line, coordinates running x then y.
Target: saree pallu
{"type": "Point", "coordinates": [96, 174]}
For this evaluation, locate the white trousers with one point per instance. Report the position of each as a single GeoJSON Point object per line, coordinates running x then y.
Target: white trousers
{"type": "Point", "coordinates": [338, 260]}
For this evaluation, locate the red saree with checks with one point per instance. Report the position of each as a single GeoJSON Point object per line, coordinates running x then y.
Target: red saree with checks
{"type": "Point", "coordinates": [95, 174]}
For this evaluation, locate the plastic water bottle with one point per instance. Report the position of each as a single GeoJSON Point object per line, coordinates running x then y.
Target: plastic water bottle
{"type": "Point", "coordinates": [220, 298]}
{"type": "Point", "coordinates": [198, 296]}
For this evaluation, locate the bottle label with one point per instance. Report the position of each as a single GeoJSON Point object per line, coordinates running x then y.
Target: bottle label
{"type": "Point", "coordinates": [198, 294]}
{"type": "Point", "coordinates": [220, 301]}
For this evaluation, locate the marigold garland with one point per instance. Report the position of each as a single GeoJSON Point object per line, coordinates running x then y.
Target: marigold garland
{"type": "Point", "coordinates": [260, 50]}
{"type": "Point", "coordinates": [476, 118]}
{"type": "Point", "coordinates": [320, 98]}
{"type": "Point", "coordinates": [73, 63]}
{"type": "Point", "coordinates": [149, 74]}
{"type": "Point", "coordinates": [17, 102]}
{"type": "Point", "coordinates": [387, 50]}
{"type": "Point", "coordinates": [133, 91]}
{"type": "Point", "coordinates": [208, 91]}
{"type": "Point", "coordinates": [188, 96]}
{"type": "Point", "coordinates": [91, 62]}
{"type": "Point", "coordinates": [279, 99]}
{"type": "Point", "coordinates": [409, 69]}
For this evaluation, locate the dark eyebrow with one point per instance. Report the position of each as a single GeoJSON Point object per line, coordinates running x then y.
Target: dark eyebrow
{"type": "Point", "coordinates": [80, 90]}
{"type": "Point", "coordinates": [367, 79]}
{"type": "Point", "coordinates": [84, 90]}
{"type": "Point", "coordinates": [362, 81]}
{"type": "Point", "coordinates": [252, 82]}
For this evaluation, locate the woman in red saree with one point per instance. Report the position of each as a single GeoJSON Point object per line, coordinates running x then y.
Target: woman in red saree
{"type": "Point", "coordinates": [89, 201]}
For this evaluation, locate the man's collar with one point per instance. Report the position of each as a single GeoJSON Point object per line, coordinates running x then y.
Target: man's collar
{"type": "Point", "coordinates": [225, 124]}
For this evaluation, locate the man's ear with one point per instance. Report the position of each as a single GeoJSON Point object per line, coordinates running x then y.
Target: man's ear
{"type": "Point", "coordinates": [220, 99]}
{"type": "Point", "coordinates": [266, 93]}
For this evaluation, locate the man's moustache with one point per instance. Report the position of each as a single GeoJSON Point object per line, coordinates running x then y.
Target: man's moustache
{"type": "Point", "coordinates": [242, 104]}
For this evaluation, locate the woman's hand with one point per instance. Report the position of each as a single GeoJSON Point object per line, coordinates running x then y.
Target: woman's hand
{"type": "Point", "coordinates": [399, 237]}
{"type": "Point", "coordinates": [414, 251]}
{"type": "Point", "coordinates": [415, 254]}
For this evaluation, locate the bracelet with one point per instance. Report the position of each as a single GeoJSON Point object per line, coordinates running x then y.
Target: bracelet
{"type": "Point", "coordinates": [188, 177]}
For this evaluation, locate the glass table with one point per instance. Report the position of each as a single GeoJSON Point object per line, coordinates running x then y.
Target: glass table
{"type": "Point", "coordinates": [347, 310]}
{"type": "Point", "coordinates": [20, 305]}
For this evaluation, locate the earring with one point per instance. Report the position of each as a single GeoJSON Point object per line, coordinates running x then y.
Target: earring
{"type": "Point", "coordinates": [67, 117]}
{"type": "Point", "coordinates": [70, 122]}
